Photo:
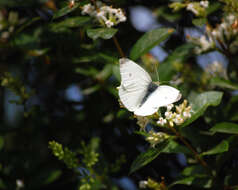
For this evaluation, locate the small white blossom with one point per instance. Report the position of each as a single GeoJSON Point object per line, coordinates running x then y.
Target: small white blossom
{"type": "Point", "coordinates": [5, 35]}
{"type": "Point", "coordinates": [168, 115]}
{"type": "Point", "coordinates": [178, 120]}
{"type": "Point", "coordinates": [169, 107]}
{"type": "Point", "coordinates": [109, 23]}
{"type": "Point", "coordinates": [204, 4]}
{"type": "Point", "coordinates": [161, 121]}
{"type": "Point", "coordinates": [216, 68]}
{"type": "Point", "coordinates": [143, 184]}
{"type": "Point", "coordinates": [88, 9]}
{"type": "Point", "coordinates": [19, 183]}
{"type": "Point", "coordinates": [105, 15]}
{"type": "Point", "coordinates": [190, 7]}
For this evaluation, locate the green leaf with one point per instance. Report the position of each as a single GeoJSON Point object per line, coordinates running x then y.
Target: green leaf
{"type": "Point", "coordinates": [149, 40]}
{"type": "Point", "coordinates": [65, 10]}
{"type": "Point", "coordinates": [104, 33]}
{"type": "Point", "coordinates": [53, 175]}
{"type": "Point", "coordinates": [199, 182]}
{"type": "Point", "coordinates": [220, 148]}
{"type": "Point", "coordinates": [69, 23]}
{"type": "Point", "coordinates": [199, 21]}
{"type": "Point", "coordinates": [219, 82]}
{"type": "Point", "coordinates": [174, 61]}
{"type": "Point", "coordinates": [225, 127]}
{"type": "Point", "coordinates": [200, 103]}
{"type": "Point", "coordinates": [195, 171]}
{"type": "Point", "coordinates": [174, 147]}
{"type": "Point", "coordinates": [148, 156]}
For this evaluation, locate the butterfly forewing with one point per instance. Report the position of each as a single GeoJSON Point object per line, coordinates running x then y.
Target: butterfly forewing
{"type": "Point", "coordinates": [134, 83]}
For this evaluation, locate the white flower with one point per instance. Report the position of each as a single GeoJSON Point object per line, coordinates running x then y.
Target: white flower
{"type": "Point", "coordinates": [88, 9]}
{"type": "Point", "coordinates": [143, 184]}
{"type": "Point", "coordinates": [169, 107]}
{"type": "Point", "coordinates": [105, 15]}
{"type": "Point", "coordinates": [190, 7]}
{"type": "Point", "coordinates": [204, 4]}
{"type": "Point", "coordinates": [187, 114]}
{"type": "Point", "coordinates": [230, 18]}
{"type": "Point", "coordinates": [109, 23]}
{"type": "Point", "coordinates": [168, 114]}
{"type": "Point", "coordinates": [178, 120]}
{"type": "Point", "coordinates": [161, 121]}
{"type": "Point", "coordinates": [19, 183]}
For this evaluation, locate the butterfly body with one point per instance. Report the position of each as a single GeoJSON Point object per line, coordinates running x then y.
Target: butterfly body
{"type": "Point", "coordinates": [139, 94]}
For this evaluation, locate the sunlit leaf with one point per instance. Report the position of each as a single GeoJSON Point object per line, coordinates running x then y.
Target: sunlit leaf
{"type": "Point", "coordinates": [149, 40]}
{"type": "Point", "coordinates": [200, 103]}
{"type": "Point", "coordinates": [104, 33]}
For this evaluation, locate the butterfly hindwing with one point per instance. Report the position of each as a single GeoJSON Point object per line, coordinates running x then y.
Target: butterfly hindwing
{"type": "Point", "coordinates": [162, 96]}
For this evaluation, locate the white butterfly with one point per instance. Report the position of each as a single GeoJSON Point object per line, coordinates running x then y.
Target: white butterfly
{"type": "Point", "coordinates": [139, 94]}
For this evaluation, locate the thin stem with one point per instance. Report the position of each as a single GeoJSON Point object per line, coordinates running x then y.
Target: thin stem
{"type": "Point", "coordinates": [114, 38]}
{"type": "Point", "coordinates": [196, 155]}
{"type": "Point", "coordinates": [118, 46]}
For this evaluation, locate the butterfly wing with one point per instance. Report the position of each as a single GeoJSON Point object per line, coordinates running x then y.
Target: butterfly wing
{"type": "Point", "coordinates": [134, 84]}
{"type": "Point", "coordinates": [162, 96]}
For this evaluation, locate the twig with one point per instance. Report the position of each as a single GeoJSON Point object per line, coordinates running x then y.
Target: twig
{"type": "Point", "coordinates": [118, 46]}
{"type": "Point", "coordinates": [196, 155]}
{"type": "Point", "coordinates": [114, 38]}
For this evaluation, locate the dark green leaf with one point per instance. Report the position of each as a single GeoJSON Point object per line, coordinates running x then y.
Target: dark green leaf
{"type": "Point", "coordinates": [149, 40]}
{"type": "Point", "coordinates": [53, 175]}
{"type": "Point", "coordinates": [195, 171]}
{"type": "Point", "coordinates": [146, 157]}
{"type": "Point", "coordinates": [220, 148]}
{"type": "Point", "coordinates": [174, 147]}
{"type": "Point", "coordinates": [199, 182]}
{"type": "Point", "coordinates": [104, 33]}
{"type": "Point", "coordinates": [199, 21]}
{"type": "Point", "coordinates": [168, 67]}
{"type": "Point", "coordinates": [200, 103]}
{"type": "Point", "coordinates": [219, 82]}
{"type": "Point", "coordinates": [225, 127]}
{"type": "Point", "coordinates": [65, 10]}
{"type": "Point", "coordinates": [1, 142]}
{"type": "Point", "coordinates": [69, 23]}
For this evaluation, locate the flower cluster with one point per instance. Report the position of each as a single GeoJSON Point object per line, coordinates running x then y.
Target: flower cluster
{"type": "Point", "coordinates": [155, 138]}
{"type": "Point", "coordinates": [219, 37]}
{"type": "Point", "coordinates": [216, 68]}
{"type": "Point", "coordinates": [204, 43]}
{"type": "Point", "coordinates": [182, 112]}
{"type": "Point", "coordinates": [105, 15]}
{"type": "Point", "coordinates": [225, 31]}
{"type": "Point", "coordinates": [198, 8]}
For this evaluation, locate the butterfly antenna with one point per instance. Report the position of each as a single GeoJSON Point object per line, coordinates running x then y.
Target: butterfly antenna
{"type": "Point", "coordinates": [156, 71]}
